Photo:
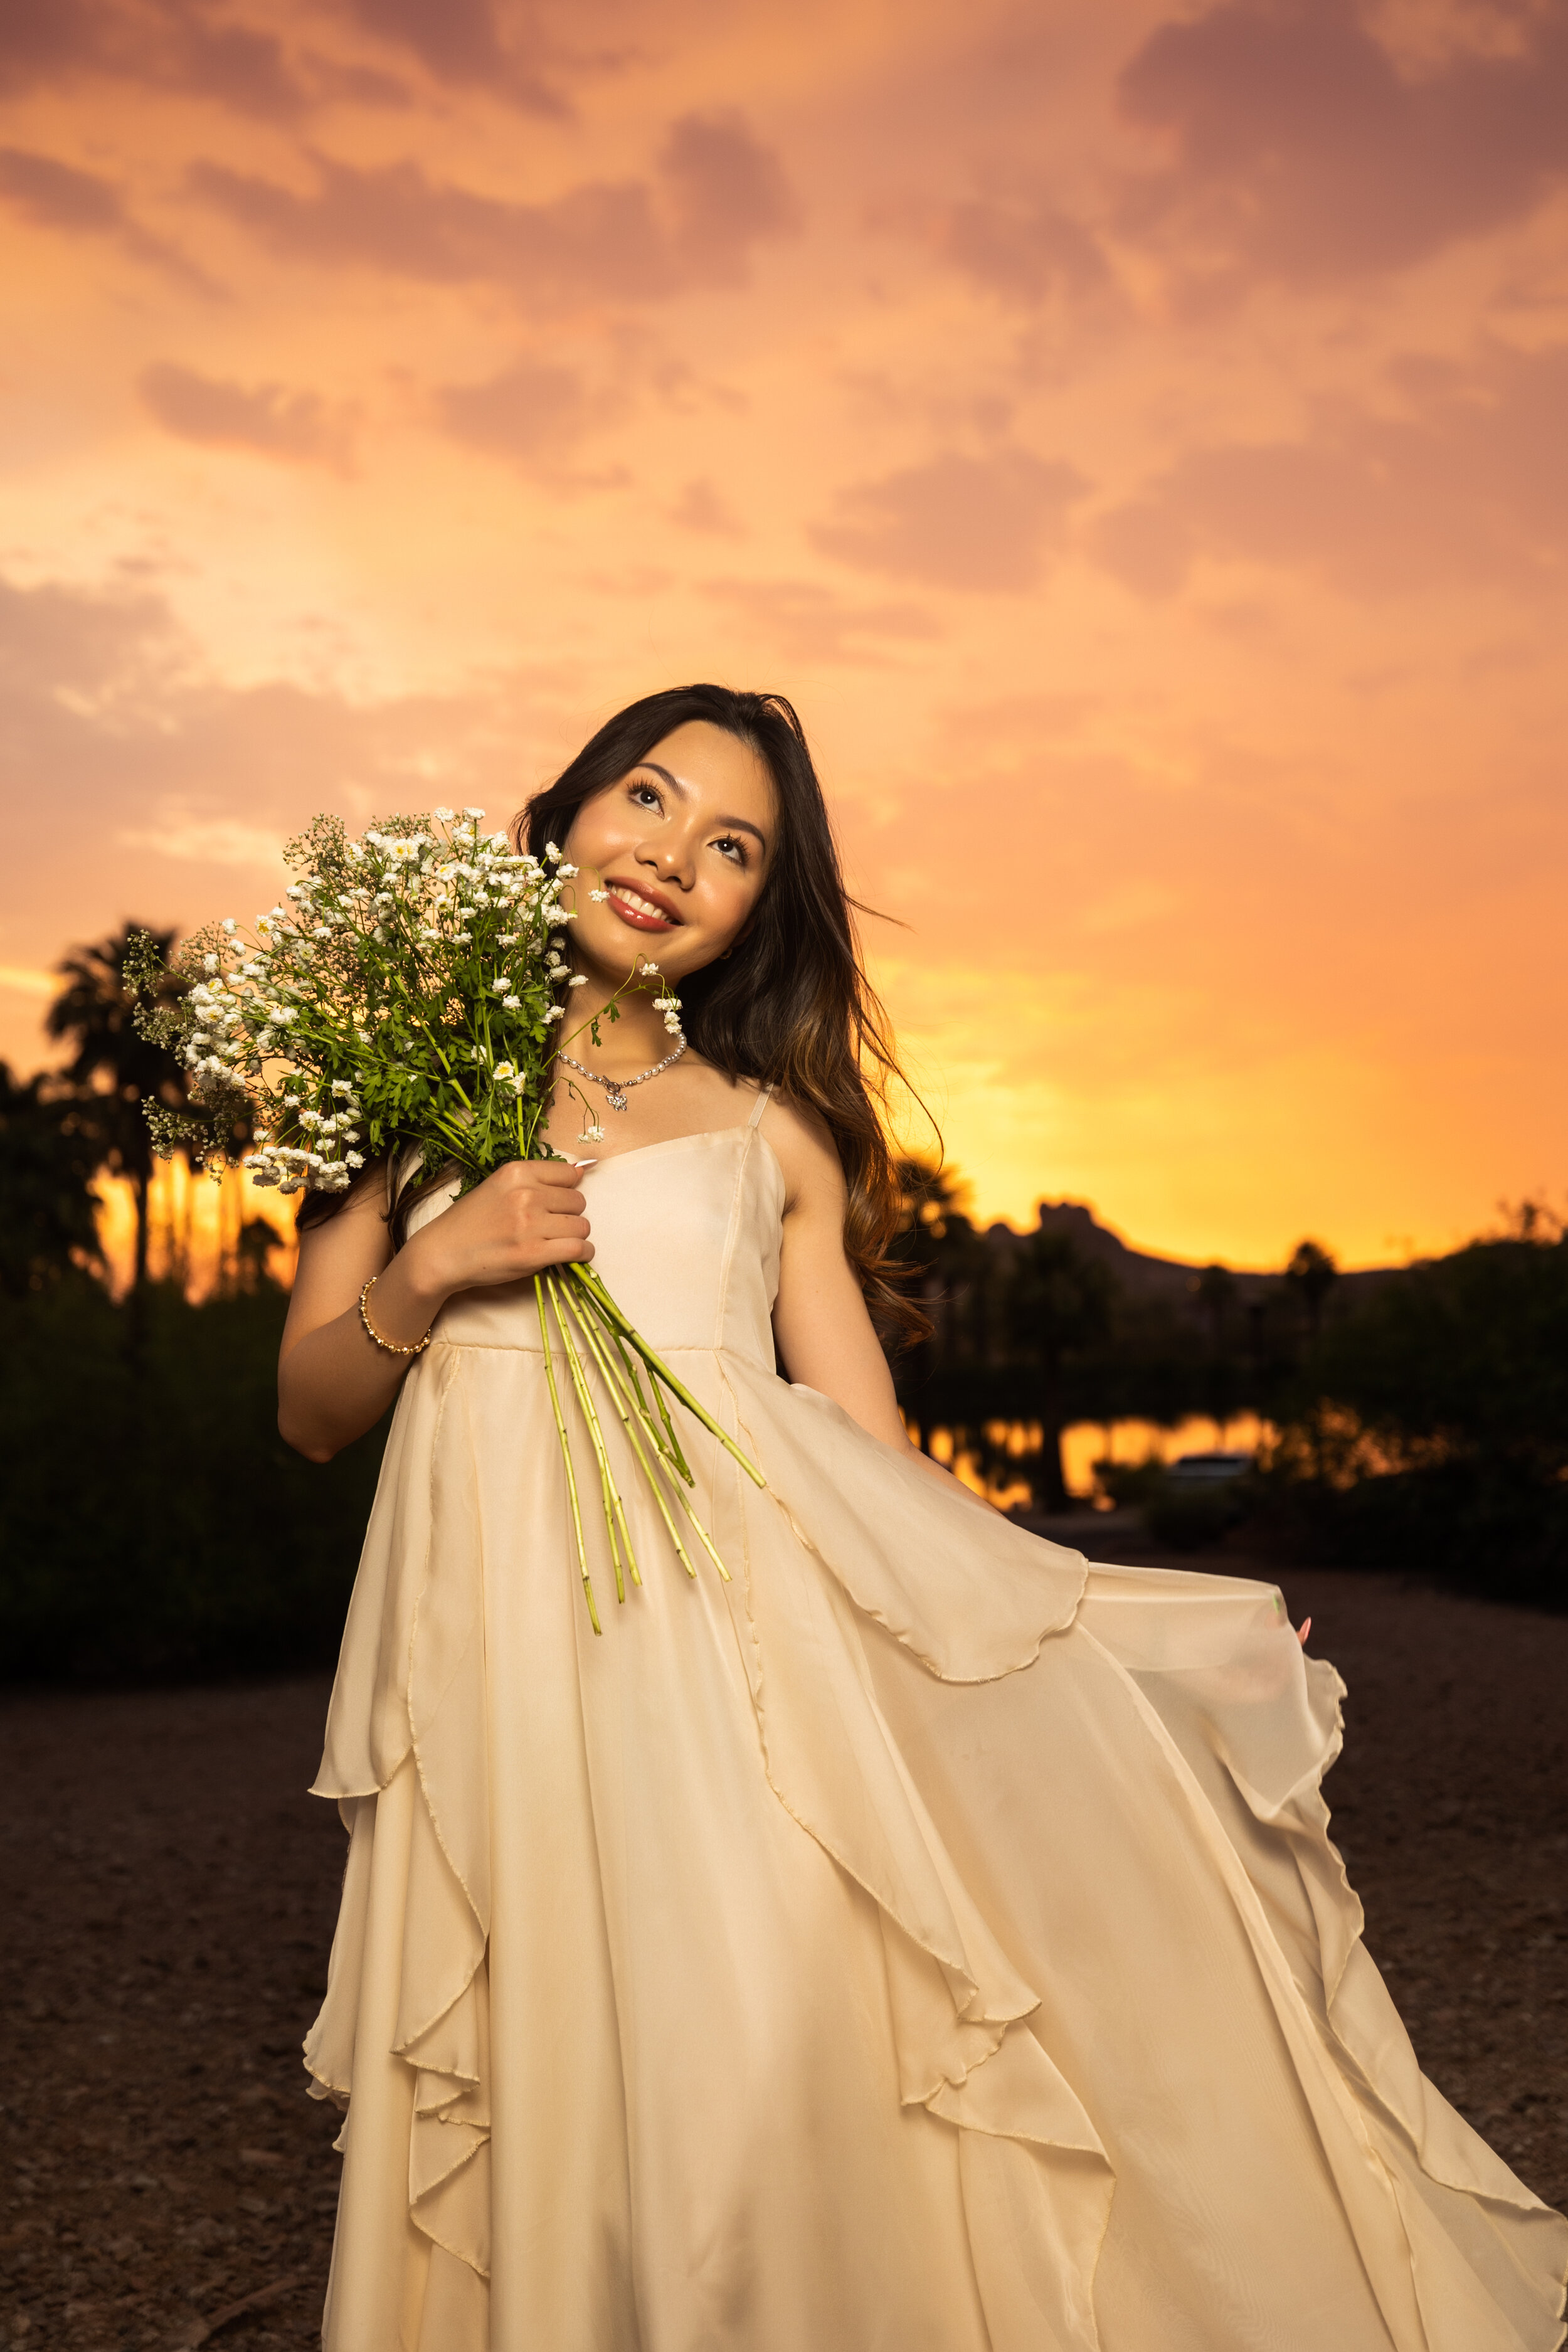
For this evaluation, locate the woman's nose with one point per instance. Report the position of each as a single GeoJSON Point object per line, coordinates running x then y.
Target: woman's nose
{"type": "Point", "coordinates": [666, 858]}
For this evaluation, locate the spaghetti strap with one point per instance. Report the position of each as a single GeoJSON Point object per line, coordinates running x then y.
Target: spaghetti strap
{"type": "Point", "coordinates": [760, 1106]}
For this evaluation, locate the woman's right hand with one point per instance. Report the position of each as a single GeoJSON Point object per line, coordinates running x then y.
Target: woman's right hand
{"type": "Point", "coordinates": [333, 1381]}
{"type": "Point", "coordinates": [525, 1216]}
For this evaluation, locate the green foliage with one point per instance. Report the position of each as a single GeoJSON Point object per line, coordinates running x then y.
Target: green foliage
{"type": "Point", "coordinates": [52, 1146]}
{"type": "Point", "coordinates": [1466, 1358]}
{"type": "Point", "coordinates": [151, 1519]}
{"type": "Point", "coordinates": [126, 1080]}
{"type": "Point", "coordinates": [1430, 1429]}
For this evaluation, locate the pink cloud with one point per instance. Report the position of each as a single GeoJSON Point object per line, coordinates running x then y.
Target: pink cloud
{"type": "Point", "coordinates": [461, 42]}
{"type": "Point", "coordinates": [703, 509]}
{"type": "Point", "coordinates": [956, 522]}
{"type": "Point", "coordinates": [137, 783]}
{"type": "Point", "coordinates": [714, 195]}
{"type": "Point", "coordinates": [1303, 151]}
{"type": "Point", "coordinates": [1472, 485]}
{"type": "Point", "coordinates": [1026, 249]}
{"type": "Point", "coordinates": [298, 427]}
{"type": "Point", "coordinates": [55, 195]}
{"type": "Point", "coordinates": [534, 415]}
{"type": "Point", "coordinates": [159, 43]}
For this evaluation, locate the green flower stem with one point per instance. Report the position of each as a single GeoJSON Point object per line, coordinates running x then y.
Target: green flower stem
{"type": "Point", "coordinates": [597, 1437]}
{"type": "Point", "coordinates": [631, 1414]}
{"type": "Point", "coordinates": [632, 1423]}
{"type": "Point", "coordinates": [660, 1430]}
{"type": "Point", "coordinates": [659, 1369]}
{"type": "Point", "coordinates": [596, 1340]}
{"type": "Point", "coordinates": [565, 1455]}
{"type": "Point", "coordinates": [562, 1298]}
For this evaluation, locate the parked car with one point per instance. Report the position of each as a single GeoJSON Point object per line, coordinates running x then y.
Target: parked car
{"type": "Point", "coordinates": [1211, 1469]}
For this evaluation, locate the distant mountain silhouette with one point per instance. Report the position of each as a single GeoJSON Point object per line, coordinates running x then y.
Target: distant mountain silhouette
{"type": "Point", "coordinates": [1140, 1273]}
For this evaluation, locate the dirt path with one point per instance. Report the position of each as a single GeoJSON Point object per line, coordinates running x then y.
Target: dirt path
{"type": "Point", "coordinates": [168, 1895]}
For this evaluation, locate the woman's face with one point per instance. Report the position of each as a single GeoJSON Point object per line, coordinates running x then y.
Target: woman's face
{"type": "Point", "coordinates": [680, 847]}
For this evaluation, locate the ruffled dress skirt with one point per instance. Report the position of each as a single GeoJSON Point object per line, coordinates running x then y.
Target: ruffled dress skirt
{"type": "Point", "coordinates": [925, 1942]}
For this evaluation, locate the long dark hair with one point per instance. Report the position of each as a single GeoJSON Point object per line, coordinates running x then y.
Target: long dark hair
{"type": "Point", "coordinates": [790, 1006]}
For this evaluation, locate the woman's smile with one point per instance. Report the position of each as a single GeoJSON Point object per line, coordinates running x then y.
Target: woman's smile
{"type": "Point", "coordinates": [643, 913]}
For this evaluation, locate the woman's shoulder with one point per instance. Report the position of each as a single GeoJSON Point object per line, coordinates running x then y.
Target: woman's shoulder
{"type": "Point", "coordinates": [804, 1144]}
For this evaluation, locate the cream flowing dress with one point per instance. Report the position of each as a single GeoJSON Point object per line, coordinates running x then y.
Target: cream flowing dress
{"type": "Point", "coordinates": [925, 1942]}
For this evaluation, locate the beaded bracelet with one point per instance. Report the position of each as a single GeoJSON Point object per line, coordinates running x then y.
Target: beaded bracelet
{"type": "Point", "coordinates": [391, 1346]}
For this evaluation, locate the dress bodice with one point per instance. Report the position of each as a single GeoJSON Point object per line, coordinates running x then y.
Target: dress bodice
{"type": "Point", "coordinates": [686, 1238]}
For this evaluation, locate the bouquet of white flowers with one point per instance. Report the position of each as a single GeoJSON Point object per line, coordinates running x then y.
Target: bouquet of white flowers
{"type": "Point", "coordinates": [406, 1004]}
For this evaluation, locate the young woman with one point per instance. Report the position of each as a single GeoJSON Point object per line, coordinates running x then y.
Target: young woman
{"type": "Point", "coordinates": [923, 1942]}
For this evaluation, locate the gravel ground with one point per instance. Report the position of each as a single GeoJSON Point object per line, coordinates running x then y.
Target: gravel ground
{"type": "Point", "coordinates": [169, 1891]}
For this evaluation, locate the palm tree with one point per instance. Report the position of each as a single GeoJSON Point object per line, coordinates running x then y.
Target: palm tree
{"type": "Point", "coordinates": [1059, 1305]}
{"type": "Point", "coordinates": [937, 1242]}
{"type": "Point", "coordinates": [1312, 1274]}
{"type": "Point", "coordinates": [113, 1063]}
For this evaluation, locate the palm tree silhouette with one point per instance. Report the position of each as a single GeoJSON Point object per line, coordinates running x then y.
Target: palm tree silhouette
{"type": "Point", "coordinates": [1059, 1305]}
{"type": "Point", "coordinates": [1312, 1274]}
{"type": "Point", "coordinates": [117, 1068]}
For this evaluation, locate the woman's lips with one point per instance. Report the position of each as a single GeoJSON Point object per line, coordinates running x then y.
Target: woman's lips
{"type": "Point", "coordinates": [637, 911]}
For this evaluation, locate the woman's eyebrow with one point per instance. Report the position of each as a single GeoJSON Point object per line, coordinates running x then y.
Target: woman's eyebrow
{"type": "Point", "coordinates": [735, 823]}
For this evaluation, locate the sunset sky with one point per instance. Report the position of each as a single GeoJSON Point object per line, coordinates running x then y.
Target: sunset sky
{"type": "Point", "coordinates": [1135, 437]}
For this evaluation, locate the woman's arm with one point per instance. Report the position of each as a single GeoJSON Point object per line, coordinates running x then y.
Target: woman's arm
{"type": "Point", "coordinates": [333, 1381]}
{"type": "Point", "coordinates": [825, 1336]}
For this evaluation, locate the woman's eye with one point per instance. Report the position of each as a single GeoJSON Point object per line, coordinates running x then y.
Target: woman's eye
{"type": "Point", "coordinates": [646, 793]}
{"type": "Point", "coordinates": [733, 847]}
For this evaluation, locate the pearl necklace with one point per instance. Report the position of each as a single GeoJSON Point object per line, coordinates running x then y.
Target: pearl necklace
{"type": "Point", "coordinates": [615, 1089]}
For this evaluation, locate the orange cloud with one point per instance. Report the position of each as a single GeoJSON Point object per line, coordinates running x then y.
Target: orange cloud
{"type": "Point", "coordinates": [714, 193]}
{"type": "Point", "coordinates": [295, 427]}
{"type": "Point", "coordinates": [55, 195]}
{"type": "Point", "coordinates": [1306, 148]}
{"type": "Point", "coordinates": [1468, 484]}
{"type": "Point", "coordinates": [958, 522]}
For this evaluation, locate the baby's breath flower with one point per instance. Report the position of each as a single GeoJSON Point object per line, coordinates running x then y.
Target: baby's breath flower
{"type": "Point", "coordinates": [512, 1003]}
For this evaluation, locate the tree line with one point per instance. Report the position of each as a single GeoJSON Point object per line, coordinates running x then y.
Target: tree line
{"type": "Point", "coordinates": [1419, 1414]}
{"type": "Point", "coordinates": [152, 1521]}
